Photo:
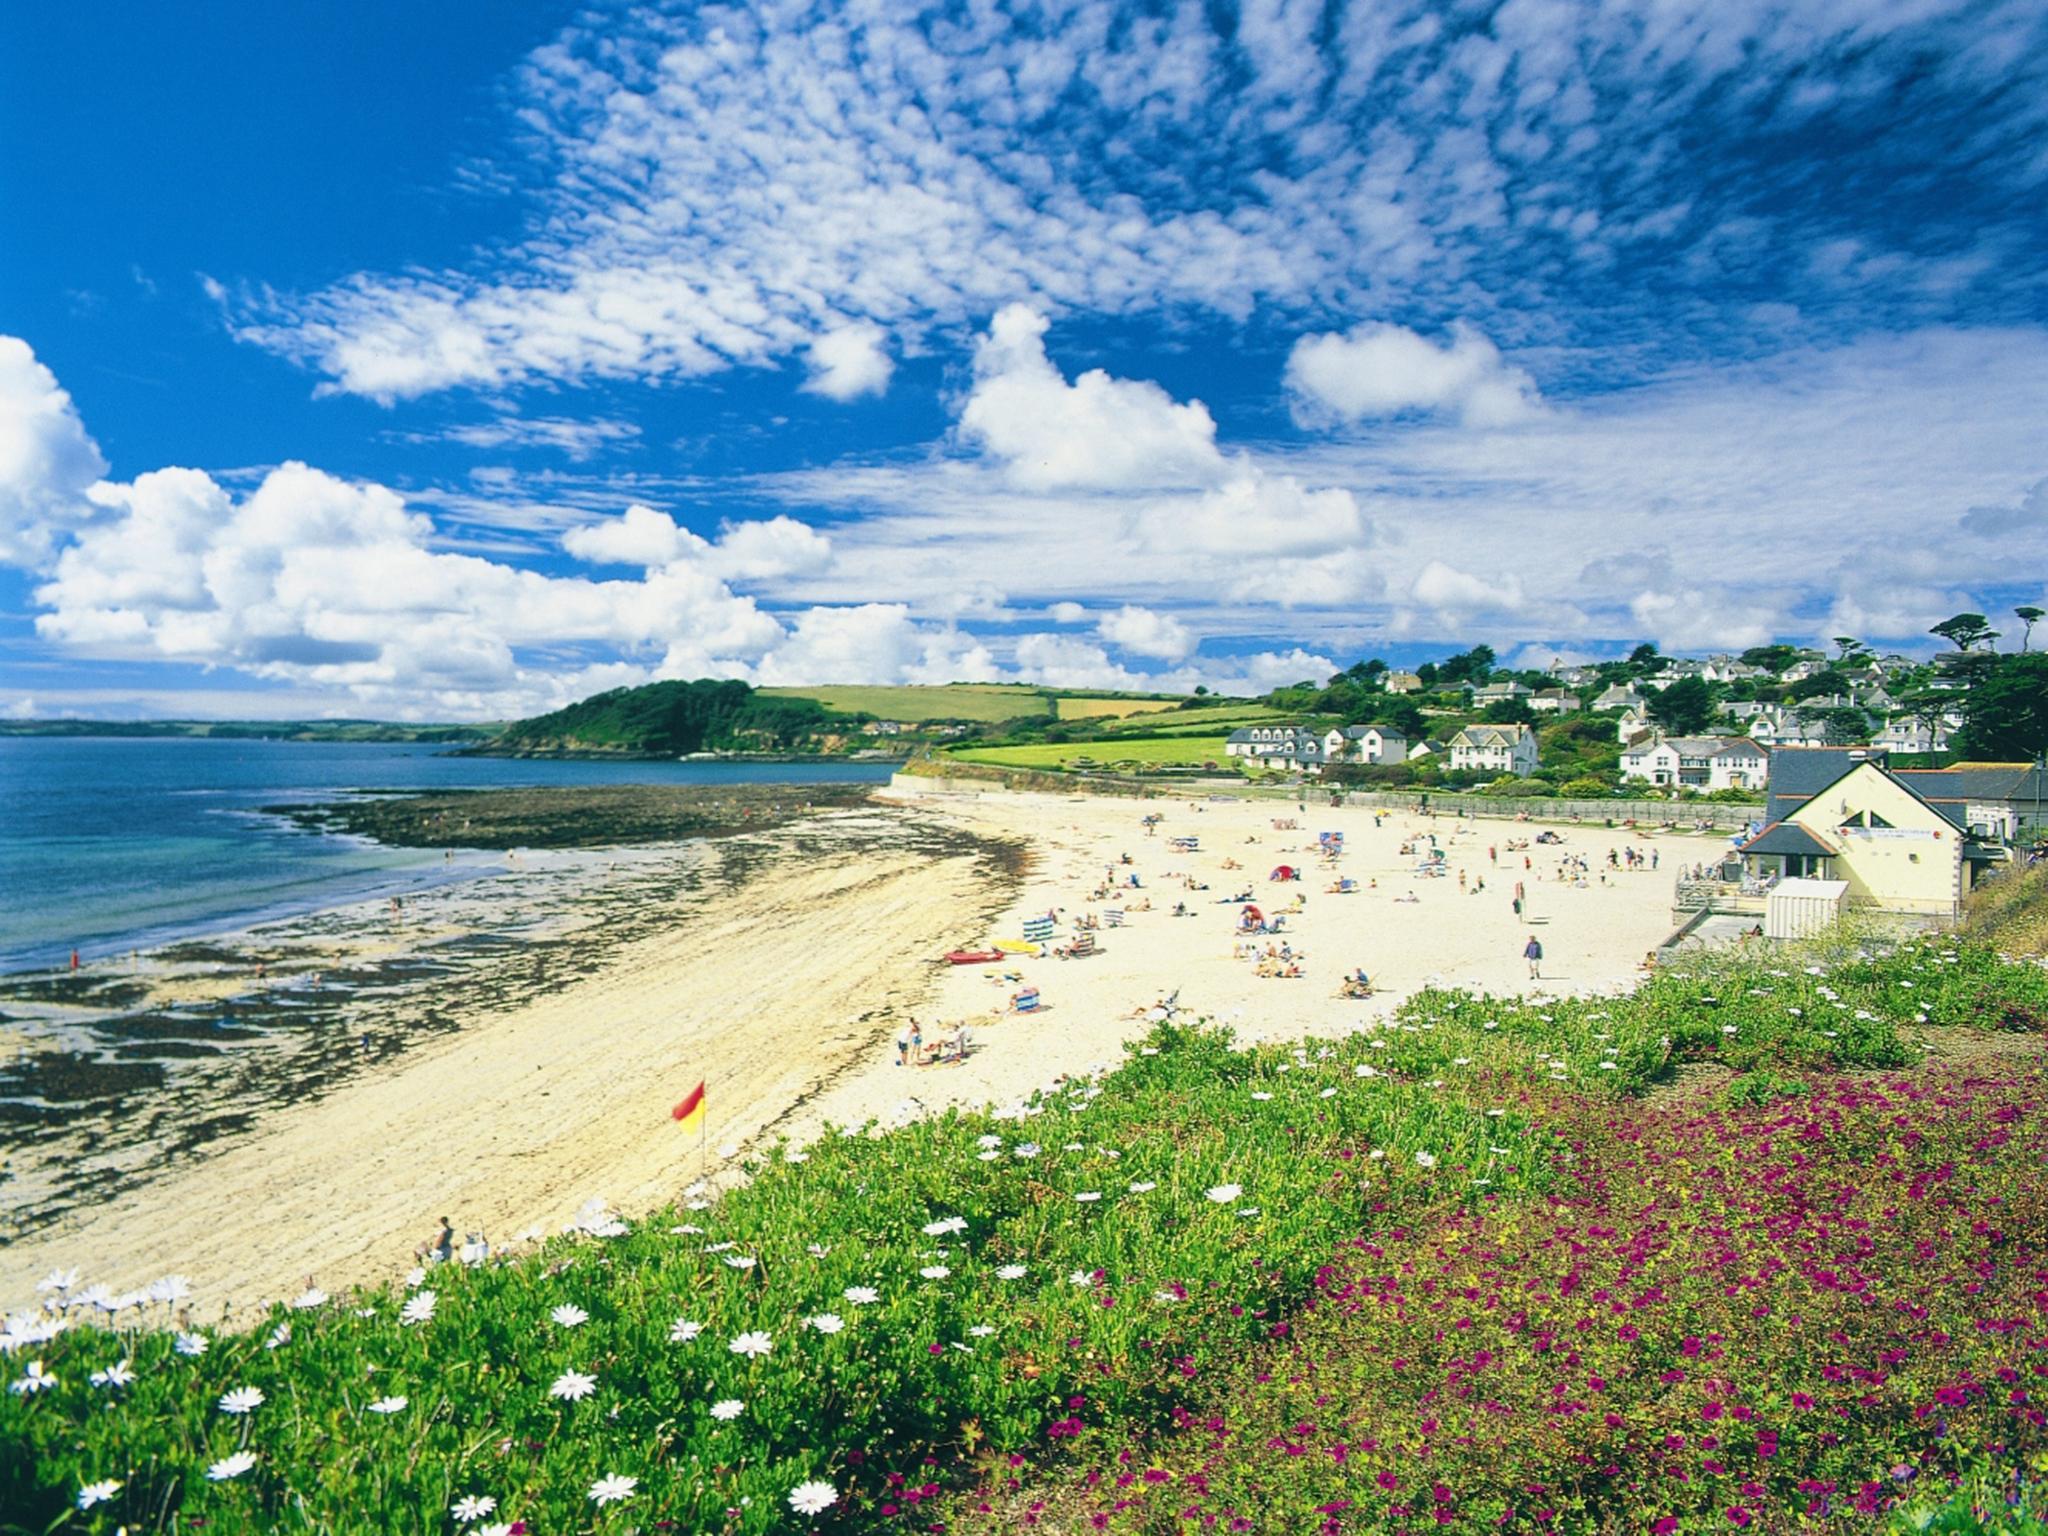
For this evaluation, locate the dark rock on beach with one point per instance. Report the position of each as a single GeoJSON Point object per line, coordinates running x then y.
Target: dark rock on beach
{"type": "Point", "coordinates": [584, 816]}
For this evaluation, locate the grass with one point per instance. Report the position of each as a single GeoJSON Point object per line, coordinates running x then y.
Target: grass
{"type": "Point", "coordinates": [987, 703]}
{"type": "Point", "coordinates": [1073, 707]}
{"type": "Point", "coordinates": [1109, 1264]}
{"type": "Point", "coordinates": [2010, 913]}
{"type": "Point", "coordinates": [1147, 751]}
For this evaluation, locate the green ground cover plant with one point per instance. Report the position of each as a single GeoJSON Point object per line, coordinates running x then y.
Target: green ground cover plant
{"type": "Point", "coordinates": [874, 1323]}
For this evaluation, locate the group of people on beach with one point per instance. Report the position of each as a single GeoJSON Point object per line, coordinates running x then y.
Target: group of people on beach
{"type": "Point", "coordinates": [951, 1044]}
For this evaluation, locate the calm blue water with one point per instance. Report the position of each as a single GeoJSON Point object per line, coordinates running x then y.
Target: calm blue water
{"type": "Point", "coordinates": [111, 845]}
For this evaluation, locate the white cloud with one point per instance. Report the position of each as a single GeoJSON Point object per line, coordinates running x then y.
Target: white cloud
{"type": "Point", "coordinates": [850, 361]}
{"type": "Point", "coordinates": [1454, 592]}
{"type": "Point", "coordinates": [1383, 370]}
{"type": "Point", "coordinates": [1097, 433]}
{"type": "Point", "coordinates": [637, 536]}
{"type": "Point", "coordinates": [47, 462]}
{"type": "Point", "coordinates": [578, 438]}
{"type": "Point", "coordinates": [1143, 632]}
{"type": "Point", "coordinates": [746, 551]}
{"type": "Point", "coordinates": [1066, 613]}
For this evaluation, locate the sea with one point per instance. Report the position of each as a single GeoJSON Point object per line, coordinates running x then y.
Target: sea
{"type": "Point", "coordinates": [110, 845]}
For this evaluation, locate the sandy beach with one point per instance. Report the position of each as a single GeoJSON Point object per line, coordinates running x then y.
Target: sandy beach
{"type": "Point", "coordinates": [786, 996]}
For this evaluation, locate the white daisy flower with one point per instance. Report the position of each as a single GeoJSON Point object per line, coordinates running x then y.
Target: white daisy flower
{"type": "Point", "coordinates": [727, 1409]}
{"type": "Point", "coordinates": [1223, 1194]}
{"type": "Point", "coordinates": [946, 1224]}
{"type": "Point", "coordinates": [573, 1386]}
{"type": "Point", "coordinates": [826, 1322]}
{"type": "Point", "coordinates": [569, 1315]}
{"type": "Point", "coordinates": [1012, 1272]}
{"type": "Point", "coordinates": [980, 1331]}
{"type": "Point", "coordinates": [308, 1299]}
{"type": "Point", "coordinates": [682, 1330]}
{"type": "Point", "coordinates": [990, 1140]}
{"type": "Point", "coordinates": [99, 1492]}
{"type": "Point", "coordinates": [1424, 1160]}
{"type": "Point", "coordinates": [862, 1295]}
{"type": "Point", "coordinates": [1081, 1277]}
{"type": "Point", "coordinates": [987, 1157]}
{"type": "Point", "coordinates": [1088, 1196]}
{"type": "Point", "coordinates": [472, 1507]}
{"type": "Point", "coordinates": [280, 1336]}
{"type": "Point", "coordinates": [193, 1344]}
{"type": "Point", "coordinates": [935, 1271]}
{"type": "Point", "coordinates": [817, 1250]}
{"type": "Point", "coordinates": [418, 1308]}
{"type": "Point", "coordinates": [230, 1467]}
{"type": "Point", "coordinates": [1143, 1187]}
{"type": "Point", "coordinates": [241, 1400]}
{"type": "Point", "coordinates": [415, 1278]}
{"type": "Point", "coordinates": [169, 1289]}
{"type": "Point", "coordinates": [388, 1405]}
{"type": "Point", "coordinates": [738, 1261]}
{"type": "Point", "coordinates": [1028, 1149]}
{"type": "Point", "coordinates": [57, 1280]}
{"type": "Point", "coordinates": [614, 1489]}
{"type": "Point", "coordinates": [1262, 1097]}
{"type": "Point", "coordinates": [753, 1345]}
{"type": "Point", "coordinates": [119, 1374]}
{"type": "Point", "coordinates": [813, 1498]}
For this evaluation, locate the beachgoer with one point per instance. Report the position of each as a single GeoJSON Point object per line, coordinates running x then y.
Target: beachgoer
{"type": "Point", "coordinates": [438, 1248]}
{"type": "Point", "coordinates": [1533, 953]}
{"type": "Point", "coordinates": [902, 1046]}
{"type": "Point", "coordinates": [961, 1041]}
{"type": "Point", "coordinates": [916, 1044]}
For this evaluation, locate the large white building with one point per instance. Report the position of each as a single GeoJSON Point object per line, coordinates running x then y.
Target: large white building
{"type": "Point", "coordinates": [1696, 762]}
{"type": "Point", "coordinates": [1495, 749]}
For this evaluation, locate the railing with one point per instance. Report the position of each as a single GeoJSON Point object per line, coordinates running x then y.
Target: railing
{"type": "Point", "coordinates": [1747, 897]}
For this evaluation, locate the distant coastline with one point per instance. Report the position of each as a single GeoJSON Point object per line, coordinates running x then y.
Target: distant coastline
{"type": "Point", "coordinates": [255, 730]}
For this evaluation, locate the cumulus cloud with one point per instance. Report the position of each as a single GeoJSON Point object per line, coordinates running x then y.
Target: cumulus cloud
{"type": "Point", "coordinates": [748, 551]}
{"type": "Point", "coordinates": [47, 462]}
{"type": "Point", "coordinates": [1451, 591]}
{"type": "Point", "coordinates": [1143, 632]}
{"type": "Point", "coordinates": [848, 362]}
{"type": "Point", "coordinates": [1096, 433]}
{"type": "Point", "coordinates": [1383, 370]}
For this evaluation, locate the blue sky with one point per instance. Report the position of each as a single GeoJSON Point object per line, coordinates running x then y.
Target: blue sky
{"type": "Point", "coordinates": [455, 361]}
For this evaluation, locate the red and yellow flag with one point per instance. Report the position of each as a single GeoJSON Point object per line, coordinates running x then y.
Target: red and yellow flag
{"type": "Point", "coordinates": [691, 1110]}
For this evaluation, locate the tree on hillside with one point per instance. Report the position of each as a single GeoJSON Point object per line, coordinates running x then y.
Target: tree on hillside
{"type": "Point", "coordinates": [1509, 712]}
{"type": "Point", "coordinates": [1367, 672]}
{"type": "Point", "coordinates": [1403, 714]}
{"type": "Point", "coordinates": [1644, 657]}
{"type": "Point", "coordinates": [1471, 666]}
{"type": "Point", "coordinates": [1685, 707]}
{"type": "Point", "coordinates": [2005, 717]}
{"type": "Point", "coordinates": [1965, 630]}
{"type": "Point", "coordinates": [1845, 727]}
{"type": "Point", "coordinates": [2029, 616]}
{"type": "Point", "coordinates": [1848, 648]}
{"type": "Point", "coordinates": [1772, 658]}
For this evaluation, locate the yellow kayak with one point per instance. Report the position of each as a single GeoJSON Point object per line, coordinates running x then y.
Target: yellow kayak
{"type": "Point", "coordinates": [1018, 947]}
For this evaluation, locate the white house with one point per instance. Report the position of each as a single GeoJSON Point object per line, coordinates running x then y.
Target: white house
{"type": "Point", "coordinates": [1403, 682]}
{"type": "Point", "coordinates": [1499, 693]}
{"type": "Point", "coordinates": [1553, 701]}
{"type": "Point", "coordinates": [1728, 669]}
{"type": "Point", "coordinates": [1617, 696]}
{"type": "Point", "coordinates": [1422, 749]}
{"type": "Point", "coordinates": [1696, 762]}
{"type": "Point", "coordinates": [1911, 735]}
{"type": "Point", "coordinates": [1787, 728]}
{"type": "Point", "coordinates": [1495, 749]}
{"type": "Point", "coordinates": [1633, 723]}
{"type": "Point", "coordinates": [1374, 744]}
{"type": "Point", "coordinates": [1285, 746]}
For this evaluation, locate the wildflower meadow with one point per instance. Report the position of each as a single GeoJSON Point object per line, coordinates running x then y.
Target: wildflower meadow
{"type": "Point", "coordinates": [1464, 1271]}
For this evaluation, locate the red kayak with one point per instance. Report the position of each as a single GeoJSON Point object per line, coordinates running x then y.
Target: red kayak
{"type": "Point", "coordinates": [975, 957]}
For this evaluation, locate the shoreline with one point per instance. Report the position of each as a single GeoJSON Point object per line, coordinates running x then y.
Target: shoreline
{"type": "Point", "coordinates": [784, 992]}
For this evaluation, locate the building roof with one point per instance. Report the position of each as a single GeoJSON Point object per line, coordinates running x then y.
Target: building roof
{"type": "Point", "coordinates": [1800, 773]}
{"type": "Point", "coordinates": [1490, 736]}
{"type": "Point", "coordinates": [1787, 837]}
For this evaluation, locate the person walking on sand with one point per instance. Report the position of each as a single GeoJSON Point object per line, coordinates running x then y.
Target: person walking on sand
{"type": "Point", "coordinates": [1533, 953]}
{"type": "Point", "coordinates": [903, 1046]}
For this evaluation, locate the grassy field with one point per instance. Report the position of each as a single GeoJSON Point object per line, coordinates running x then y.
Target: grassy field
{"type": "Point", "coordinates": [1180, 750]}
{"type": "Point", "coordinates": [1069, 707]}
{"type": "Point", "coordinates": [988, 702]}
{"type": "Point", "coordinates": [1197, 722]}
